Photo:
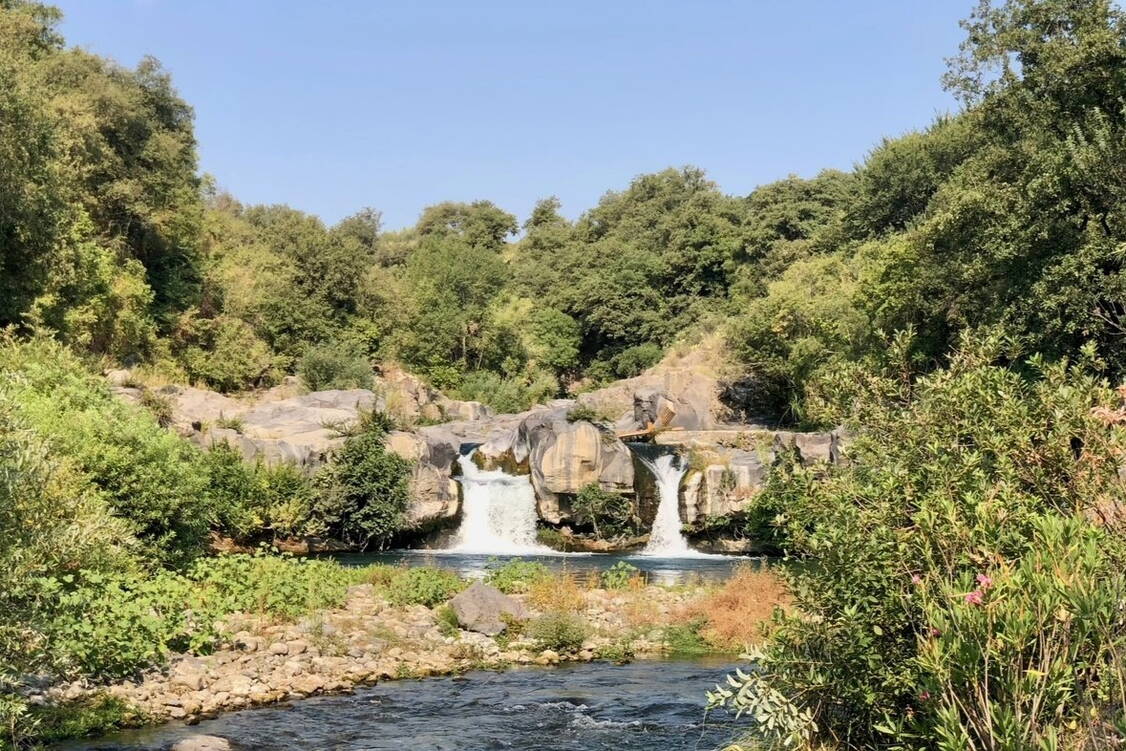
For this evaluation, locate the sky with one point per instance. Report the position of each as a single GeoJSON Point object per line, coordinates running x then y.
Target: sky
{"type": "Point", "coordinates": [335, 105]}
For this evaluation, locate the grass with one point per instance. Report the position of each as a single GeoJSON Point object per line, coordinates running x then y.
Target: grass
{"type": "Point", "coordinates": [733, 615]}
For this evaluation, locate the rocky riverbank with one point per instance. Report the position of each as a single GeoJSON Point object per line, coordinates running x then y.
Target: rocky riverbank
{"type": "Point", "coordinates": [369, 640]}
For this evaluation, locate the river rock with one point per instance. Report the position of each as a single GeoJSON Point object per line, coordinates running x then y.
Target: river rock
{"type": "Point", "coordinates": [483, 608]}
{"type": "Point", "coordinates": [202, 743]}
{"type": "Point", "coordinates": [566, 456]}
{"type": "Point", "coordinates": [434, 493]}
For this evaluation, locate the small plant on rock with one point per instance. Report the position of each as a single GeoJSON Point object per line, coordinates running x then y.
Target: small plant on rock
{"type": "Point", "coordinates": [558, 631]}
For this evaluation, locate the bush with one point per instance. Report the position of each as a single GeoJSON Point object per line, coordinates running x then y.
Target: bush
{"type": "Point", "coordinates": [257, 501]}
{"type": "Point", "coordinates": [609, 514]}
{"type": "Point", "coordinates": [334, 366]}
{"type": "Point", "coordinates": [953, 578]}
{"type": "Point", "coordinates": [153, 479]}
{"type": "Point", "coordinates": [423, 586]}
{"type": "Point", "coordinates": [619, 575]}
{"type": "Point", "coordinates": [558, 631]}
{"type": "Point", "coordinates": [364, 490]}
{"type": "Point", "coordinates": [517, 576]}
{"type": "Point", "coordinates": [111, 625]}
{"type": "Point", "coordinates": [508, 394]}
{"type": "Point", "coordinates": [582, 413]}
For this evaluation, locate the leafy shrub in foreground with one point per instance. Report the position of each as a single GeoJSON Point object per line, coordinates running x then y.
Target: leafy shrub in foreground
{"type": "Point", "coordinates": [957, 532]}
{"type": "Point", "coordinates": [153, 479]}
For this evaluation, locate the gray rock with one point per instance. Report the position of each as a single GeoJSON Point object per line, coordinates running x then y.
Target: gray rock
{"type": "Point", "coordinates": [482, 608]}
{"type": "Point", "coordinates": [202, 743]}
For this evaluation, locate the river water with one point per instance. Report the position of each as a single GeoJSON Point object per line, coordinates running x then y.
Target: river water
{"type": "Point", "coordinates": [660, 570]}
{"type": "Point", "coordinates": [655, 705]}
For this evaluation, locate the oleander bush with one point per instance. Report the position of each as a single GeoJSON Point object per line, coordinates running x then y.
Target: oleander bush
{"type": "Point", "coordinates": [961, 577]}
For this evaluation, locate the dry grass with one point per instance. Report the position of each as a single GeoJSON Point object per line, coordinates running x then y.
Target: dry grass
{"type": "Point", "coordinates": [562, 592]}
{"type": "Point", "coordinates": [735, 613]}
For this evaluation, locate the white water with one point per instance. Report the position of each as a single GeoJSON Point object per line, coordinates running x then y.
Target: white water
{"type": "Point", "coordinates": [498, 512]}
{"type": "Point", "coordinates": [666, 539]}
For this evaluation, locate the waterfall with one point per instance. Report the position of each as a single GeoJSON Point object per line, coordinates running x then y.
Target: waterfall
{"type": "Point", "coordinates": [666, 539]}
{"type": "Point", "coordinates": [498, 512]}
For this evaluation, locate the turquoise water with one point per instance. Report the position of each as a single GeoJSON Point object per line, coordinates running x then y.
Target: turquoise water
{"type": "Point", "coordinates": [648, 705]}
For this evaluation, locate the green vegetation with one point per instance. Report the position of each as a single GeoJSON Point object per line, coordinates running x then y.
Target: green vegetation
{"type": "Point", "coordinates": [423, 586]}
{"type": "Point", "coordinates": [517, 576]}
{"type": "Point", "coordinates": [362, 494]}
{"type": "Point", "coordinates": [957, 300]}
{"type": "Point", "coordinates": [619, 575]}
{"type": "Point", "coordinates": [962, 573]}
{"type": "Point", "coordinates": [610, 515]}
{"type": "Point", "coordinates": [557, 630]}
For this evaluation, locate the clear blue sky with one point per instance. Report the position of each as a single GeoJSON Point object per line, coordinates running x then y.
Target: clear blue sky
{"type": "Point", "coordinates": [330, 106]}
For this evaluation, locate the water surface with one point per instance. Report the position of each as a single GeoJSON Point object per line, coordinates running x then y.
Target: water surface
{"type": "Point", "coordinates": [660, 570]}
{"type": "Point", "coordinates": [655, 705]}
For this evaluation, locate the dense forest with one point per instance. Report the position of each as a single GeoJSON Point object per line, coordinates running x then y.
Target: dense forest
{"type": "Point", "coordinates": [1006, 216]}
{"type": "Point", "coordinates": [958, 299]}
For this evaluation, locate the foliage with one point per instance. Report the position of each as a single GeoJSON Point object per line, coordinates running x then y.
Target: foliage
{"type": "Point", "coordinates": [423, 586]}
{"type": "Point", "coordinates": [517, 576]}
{"type": "Point", "coordinates": [257, 501]}
{"type": "Point", "coordinates": [582, 413]}
{"type": "Point", "coordinates": [610, 514]}
{"type": "Point", "coordinates": [363, 492]}
{"type": "Point", "coordinates": [961, 480]}
{"type": "Point", "coordinates": [149, 477]}
{"type": "Point", "coordinates": [329, 366]}
{"type": "Point", "coordinates": [685, 640]}
{"type": "Point", "coordinates": [619, 576]}
{"type": "Point", "coordinates": [557, 630]}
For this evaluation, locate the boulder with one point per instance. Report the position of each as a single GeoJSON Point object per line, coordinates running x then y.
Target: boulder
{"type": "Point", "coordinates": [565, 456]}
{"type": "Point", "coordinates": [435, 495]}
{"type": "Point", "coordinates": [484, 609]}
{"type": "Point", "coordinates": [202, 743]}
{"type": "Point", "coordinates": [723, 487]}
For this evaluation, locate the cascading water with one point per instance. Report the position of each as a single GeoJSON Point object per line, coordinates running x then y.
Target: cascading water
{"type": "Point", "coordinates": [498, 512]}
{"type": "Point", "coordinates": [666, 539]}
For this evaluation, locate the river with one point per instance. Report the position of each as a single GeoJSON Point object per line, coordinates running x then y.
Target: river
{"type": "Point", "coordinates": [656, 705]}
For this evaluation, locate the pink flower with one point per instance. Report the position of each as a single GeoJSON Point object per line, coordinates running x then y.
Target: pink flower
{"type": "Point", "coordinates": [975, 598]}
{"type": "Point", "coordinates": [935, 632]}
{"type": "Point", "coordinates": [916, 579]}
{"type": "Point", "coordinates": [925, 696]}
{"type": "Point", "coordinates": [984, 581]}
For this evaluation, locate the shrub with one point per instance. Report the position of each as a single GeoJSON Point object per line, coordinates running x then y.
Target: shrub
{"type": "Point", "coordinates": [685, 639]}
{"type": "Point", "coordinates": [423, 586]}
{"type": "Point", "coordinates": [334, 366]}
{"type": "Point", "coordinates": [609, 514]}
{"type": "Point", "coordinates": [582, 413]}
{"type": "Point", "coordinates": [517, 576]}
{"type": "Point", "coordinates": [973, 471]}
{"type": "Point", "coordinates": [153, 479]}
{"type": "Point", "coordinates": [257, 500]}
{"type": "Point", "coordinates": [508, 394]}
{"type": "Point", "coordinates": [558, 631]}
{"type": "Point", "coordinates": [619, 576]}
{"type": "Point", "coordinates": [364, 490]}
{"type": "Point", "coordinates": [736, 614]}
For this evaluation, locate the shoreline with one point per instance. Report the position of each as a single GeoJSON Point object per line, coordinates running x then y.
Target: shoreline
{"type": "Point", "coordinates": [368, 641]}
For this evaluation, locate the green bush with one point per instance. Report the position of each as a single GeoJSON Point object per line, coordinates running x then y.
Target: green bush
{"type": "Point", "coordinates": [609, 514]}
{"type": "Point", "coordinates": [508, 394]}
{"type": "Point", "coordinates": [257, 501]}
{"type": "Point", "coordinates": [582, 413]}
{"type": "Point", "coordinates": [517, 576]}
{"type": "Point", "coordinates": [685, 640]}
{"type": "Point", "coordinates": [423, 586]}
{"type": "Point", "coordinates": [364, 490]}
{"type": "Point", "coordinates": [334, 366]}
{"type": "Point", "coordinates": [953, 587]}
{"type": "Point", "coordinates": [558, 631]}
{"type": "Point", "coordinates": [150, 477]}
{"type": "Point", "coordinates": [619, 575]}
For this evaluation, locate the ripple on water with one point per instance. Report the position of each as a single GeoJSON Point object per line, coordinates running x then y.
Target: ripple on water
{"type": "Point", "coordinates": [650, 705]}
